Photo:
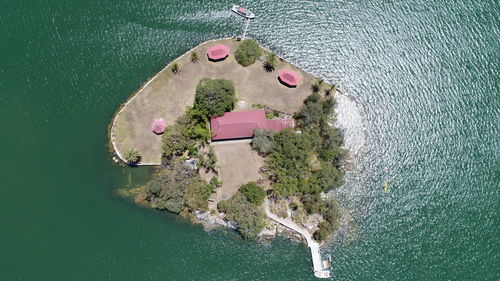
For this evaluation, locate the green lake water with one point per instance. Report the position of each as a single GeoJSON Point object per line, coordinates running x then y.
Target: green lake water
{"type": "Point", "coordinates": [425, 72]}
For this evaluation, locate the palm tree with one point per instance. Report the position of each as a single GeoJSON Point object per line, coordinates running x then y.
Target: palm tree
{"type": "Point", "coordinates": [330, 90]}
{"type": "Point", "coordinates": [316, 86]}
{"type": "Point", "coordinates": [176, 68]}
{"type": "Point", "coordinates": [132, 156]}
{"type": "Point", "coordinates": [194, 57]}
{"type": "Point", "coordinates": [271, 61]}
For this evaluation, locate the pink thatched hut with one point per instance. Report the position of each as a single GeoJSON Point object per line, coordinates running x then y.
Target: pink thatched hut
{"type": "Point", "coordinates": [158, 126]}
{"type": "Point", "coordinates": [218, 52]}
{"type": "Point", "coordinates": [289, 78]}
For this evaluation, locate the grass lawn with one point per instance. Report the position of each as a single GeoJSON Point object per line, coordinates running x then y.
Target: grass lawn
{"type": "Point", "coordinates": [167, 95]}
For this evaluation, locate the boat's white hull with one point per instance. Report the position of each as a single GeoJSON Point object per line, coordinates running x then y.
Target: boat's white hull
{"type": "Point", "coordinates": [248, 15]}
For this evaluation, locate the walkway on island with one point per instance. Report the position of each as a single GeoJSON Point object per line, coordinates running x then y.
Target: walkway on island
{"type": "Point", "coordinates": [318, 269]}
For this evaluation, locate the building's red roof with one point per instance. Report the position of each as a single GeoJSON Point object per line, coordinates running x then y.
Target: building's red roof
{"type": "Point", "coordinates": [218, 52]}
{"type": "Point", "coordinates": [289, 77]}
{"type": "Point", "coordinates": [240, 124]}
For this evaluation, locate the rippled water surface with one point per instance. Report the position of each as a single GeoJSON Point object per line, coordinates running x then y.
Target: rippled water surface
{"type": "Point", "coordinates": [424, 78]}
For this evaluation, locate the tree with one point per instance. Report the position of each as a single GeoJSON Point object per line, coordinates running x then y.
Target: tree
{"type": "Point", "coordinates": [215, 183]}
{"type": "Point", "coordinates": [271, 61]}
{"type": "Point", "coordinates": [330, 90]}
{"type": "Point", "coordinates": [196, 195]}
{"type": "Point", "coordinates": [168, 189]}
{"type": "Point", "coordinates": [194, 57]}
{"type": "Point", "coordinates": [248, 217]}
{"type": "Point", "coordinates": [214, 97]}
{"type": "Point", "coordinates": [254, 193]}
{"type": "Point", "coordinates": [174, 141]}
{"type": "Point", "coordinates": [263, 141]}
{"type": "Point", "coordinates": [247, 52]}
{"type": "Point", "coordinates": [211, 160]}
{"type": "Point", "coordinates": [176, 68]}
{"type": "Point", "coordinates": [316, 86]}
{"type": "Point", "coordinates": [132, 156]}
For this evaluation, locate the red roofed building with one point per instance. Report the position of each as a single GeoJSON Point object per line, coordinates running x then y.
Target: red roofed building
{"type": "Point", "coordinates": [240, 124]}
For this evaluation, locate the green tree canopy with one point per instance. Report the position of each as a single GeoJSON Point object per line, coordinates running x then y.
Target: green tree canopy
{"type": "Point", "coordinates": [214, 97]}
{"type": "Point", "coordinates": [263, 140]}
{"type": "Point", "coordinates": [247, 52]}
{"type": "Point", "coordinates": [249, 218]}
{"type": "Point", "coordinates": [177, 187]}
{"type": "Point", "coordinates": [253, 192]}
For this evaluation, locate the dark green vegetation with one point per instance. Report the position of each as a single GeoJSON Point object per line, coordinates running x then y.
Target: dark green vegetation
{"type": "Point", "coordinates": [328, 208]}
{"type": "Point", "coordinates": [263, 141]}
{"type": "Point", "coordinates": [307, 163]}
{"type": "Point", "coordinates": [214, 97]}
{"type": "Point", "coordinates": [248, 52]}
{"type": "Point", "coordinates": [132, 156]}
{"type": "Point", "coordinates": [242, 208]}
{"type": "Point", "coordinates": [253, 192]}
{"type": "Point", "coordinates": [190, 132]}
{"type": "Point", "coordinates": [178, 187]}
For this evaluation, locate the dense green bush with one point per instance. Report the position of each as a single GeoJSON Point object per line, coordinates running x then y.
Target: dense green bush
{"type": "Point", "coordinates": [247, 52]}
{"type": "Point", "coordinates": [263, 141]}
{"type": "Point", "coordinates": [188, 132]}
{"type": "Point", "coordinates": [214, 97]}
{"type": "Point", "coordinates": [254, 193]}
{"type": "Point", "coordinates": [197, 194]}
{"type": "Point", "coordinates": [331, 213]}
{"type": "Point", "coordinates": [177, 187]}
{"type": "Point", "coordinates": [248, 217]}
{"type": "Point", "coordinates": [308, 162]}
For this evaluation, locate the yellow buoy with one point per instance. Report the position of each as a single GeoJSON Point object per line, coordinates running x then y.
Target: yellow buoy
{"type": "Point", "coordinates": [386, 186]}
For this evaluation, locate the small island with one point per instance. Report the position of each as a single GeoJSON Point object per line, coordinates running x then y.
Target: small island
{"type": "Point", "coordinates": [242, 138]}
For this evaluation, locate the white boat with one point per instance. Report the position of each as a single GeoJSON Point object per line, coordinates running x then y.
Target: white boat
{"type": "Point", "coordinates": [242, 12]}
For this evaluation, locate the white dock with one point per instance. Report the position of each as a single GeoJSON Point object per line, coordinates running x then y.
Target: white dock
{"type": "Point", "coordinates": [319, 270]}
{"type": "Point", "coordinates": [246, 29]}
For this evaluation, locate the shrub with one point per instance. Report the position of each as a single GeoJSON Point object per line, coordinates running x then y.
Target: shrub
{"type": "Point", "coordinates": [194, 57]}
{"type": "Point", "coordinates": [254, 193]}
{"type": "Point", "coordinates": [247, 52]}
{"type": "Point", "coordinates": [263, 141]}
{"type": "Point", "coordinates": [132, 156]}
{"type": "Point", "coordinates": [223, 206]}
{"type": "Point", "coordinates": [215, 183]}
{"type": "Point", "coordinates": [214, 97]}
